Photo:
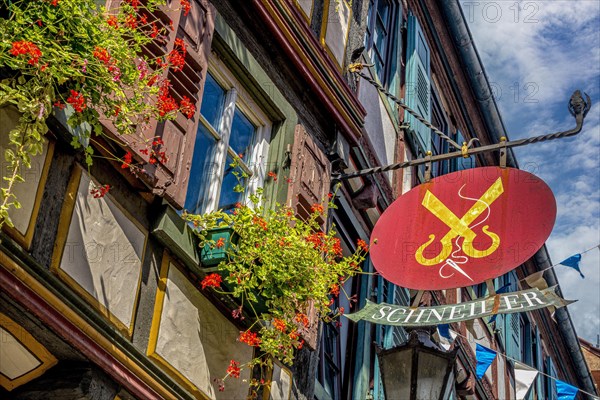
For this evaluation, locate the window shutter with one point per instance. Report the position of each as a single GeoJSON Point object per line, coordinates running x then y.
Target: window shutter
{"type": "Point", "coordinates": [418, 86]}
{"type": "Point", "coordinates": [310, 172]}
{"type": "Point", "coordinates": [196, 29]}
{"type": "Point", "coordinates": [551, 393]}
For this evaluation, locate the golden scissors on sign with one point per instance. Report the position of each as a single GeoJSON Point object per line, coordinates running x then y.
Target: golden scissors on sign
{"type": "Point", "coordinates": [460, 227]}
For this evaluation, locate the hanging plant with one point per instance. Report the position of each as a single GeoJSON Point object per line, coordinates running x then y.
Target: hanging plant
{"type": "Point", "coordinates": [286, 263]}
{"type": "Point", "coordinates": [70, 53]}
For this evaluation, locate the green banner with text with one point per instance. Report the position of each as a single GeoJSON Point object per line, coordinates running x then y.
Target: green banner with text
{"type": "Point", "coordinates": [525, 300]}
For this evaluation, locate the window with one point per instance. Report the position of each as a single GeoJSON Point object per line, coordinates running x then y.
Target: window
{"type": "Point", "coordinates": [232, 129]}
{"type": "Point", "coordinates": [379, 40]}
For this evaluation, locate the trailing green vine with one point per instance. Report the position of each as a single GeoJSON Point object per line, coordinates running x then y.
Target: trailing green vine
{"type": "Point", "coordinates": [70, 53]}
{"type": "Point", "coordinates": [284, 271]}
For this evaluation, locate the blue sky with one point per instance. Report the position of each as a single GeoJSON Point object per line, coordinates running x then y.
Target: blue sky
{"type": "Point", "coordinates": [536, 53]}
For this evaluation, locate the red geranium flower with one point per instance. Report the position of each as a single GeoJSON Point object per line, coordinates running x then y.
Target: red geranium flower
{"type": "Point", "coordinates": [185, 4]}
{"type": "Point", "coordinates": [279, 324]}
{"type": "Point", "coordinates": [234, 369]}
{"type": "Point", "coordinates": [186, 107]}
{"type": "Point", "coordinates": [250, 338]}
{"type": "Point", "coordinates": [26, 47]}
{"type": "Point", "coordinates": [362, 245]}
{"type": "Point", "coordinates": [126, 160]}
{"type": "Point", "coordinates": [318, 208]}
{"type": "Point", "coordinates": [212, 280]}
{"type": "Point", "coordinates": [77, 100]}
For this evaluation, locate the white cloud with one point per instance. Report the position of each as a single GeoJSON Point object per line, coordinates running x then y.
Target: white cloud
{"type": "Point", "coordinates": [536, 55]}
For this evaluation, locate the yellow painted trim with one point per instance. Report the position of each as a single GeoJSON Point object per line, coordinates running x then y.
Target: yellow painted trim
{"type": "Point", "coordinates": [25, 239]}
{"type": "Point", "coordinates": [307, 17]}
{"type": "Point", "coordinates": [308, 63]}
{"type": "Point", "coordinates": [63, 229]}
{"type": "Point", "coordinates": [46, 359]}
{"type": "Point", "coordinates": [166, 263]}
{"type": "Point", "coordinates": [323, 34]}
{"type": "Point", "coordinates": [32, 283]}
{"type": "Point", "coordinates": [267, 388]}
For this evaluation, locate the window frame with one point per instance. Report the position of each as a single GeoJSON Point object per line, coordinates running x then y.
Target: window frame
{"type": "Point", "coordinates": [236, 98]}
{"type": "Point", "coordinates": [390, 27]}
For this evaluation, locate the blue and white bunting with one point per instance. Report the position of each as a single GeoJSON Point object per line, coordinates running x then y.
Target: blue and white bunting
{"type": "Point", "coordinates": [565, 391]}
{"type": "Point", "coordinates": [524, 378]}
{"type": "Point", "coordinates": [447, 336]}
{"type": "Point", "coordinates": [573, 262]}
{"type": "Point", "coordinates": [485, 357]}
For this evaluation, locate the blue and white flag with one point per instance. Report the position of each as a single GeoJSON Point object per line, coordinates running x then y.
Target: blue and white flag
{"type": "Point", "coordinates": [447, 336]}
{"type": "Point", "coordinates": [485, 357]}
{"type": "Point", "coordinates": [565, 391]}
{"type": "Point", "coordinates": [573, 262]}
{"type": "Point", "coordinates": [524, 377]}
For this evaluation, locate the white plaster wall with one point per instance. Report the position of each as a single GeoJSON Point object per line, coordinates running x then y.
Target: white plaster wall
{"type": "Point", "coordinates": [103, 252]}
{"type": "Point", "coordinates": [25, 192]}
{"type": "Point", "coordinates": [336, 35]}
{"type": "Point", "coordinates": [378, 124]}
{"type": "Point", "coordinates": [198, 341]}
{"type": "Point", "coordinates": [306, 6]}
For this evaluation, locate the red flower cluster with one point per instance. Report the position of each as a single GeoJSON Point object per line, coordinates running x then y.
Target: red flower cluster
{"type": "Point", "coordinates": [100, 192]}
{"type": "Point", "coordinates": [317, 239]}
{"type": "Point", "coordinates": [220, 243]}
{"type": "Point", "coordinates": [155, 31]}
{"type": "Point", "coordinates": [279, 324]}
{"type": "Point", "coordinates": [250, 338]}
{"type": "Point", "coordinates": [303, 319]}
{"type": "Point", "coordinates": [77, 100]}
{"type": "Point", "coordinates": [133, 3]}
{"type": "Point", "coordinates": [155, 152]}
{"type": "Point", "coordinates": [166, 102]}
{"type": "Point", "coordinates": [317, 208]}
{"type": "Point", "coordinates": [112, 21]}
{"type": "Point", "coordinates": [54, 3]}
{"type": "Point", "coordinates": [26, 47]}
{"type": "Point", "coordinates": [273, 175]}
{"type": "Point", "coordinates": [102, 55]}
{"type": "Point", "coordinates": [177, 56]}
{"type": "Point", "coordinates": [131, 21]}
{"type": "Point", "coordinates": [187, 108]}
{"type": "Point", "coordinates": [126, 160]}
{"type": "Point", "coordinates": [260, 222]}
{"type": "Point", "coordinates": [185, 4]}
{"type": "Point", "coordinates": [234, 369]}
{"type": "Point", "coordinates": [337, 247]}
{"type": "Point", "coordinates": [335, 290]}
{"type": "Point", "coordinates": [294, 335]}
{"type": "Point", "coordinates": [362, 245]}
{"type": "Point", "coordinates": [213, 280]}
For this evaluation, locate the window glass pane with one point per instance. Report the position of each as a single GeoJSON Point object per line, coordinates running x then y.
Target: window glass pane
{"type": "Point", "coordinates": [203, 170]}
{"type": "Point", "coordinates": [383, 9]}
{"type": "Point", "coordinates": [380, 39]}
{"type": "Point", "coordinates": [242, 132]}
{"type": "Point", "coordinates": [228, 197]}
{"type": "Point", "coordinates": [212, 101]}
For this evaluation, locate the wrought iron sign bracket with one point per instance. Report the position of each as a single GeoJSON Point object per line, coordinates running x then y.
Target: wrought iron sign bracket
{"type": "Point", "coordinates": [578, 107]}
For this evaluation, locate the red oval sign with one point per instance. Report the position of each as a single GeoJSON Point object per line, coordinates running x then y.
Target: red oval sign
{"type": "Point", "coordinates": [463, 228]}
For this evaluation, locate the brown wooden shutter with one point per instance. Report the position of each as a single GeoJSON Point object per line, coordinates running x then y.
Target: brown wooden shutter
{"type": "Point", "coordinates": [170, 179]}
{"type": "Point", "coordinates": [310, 171]}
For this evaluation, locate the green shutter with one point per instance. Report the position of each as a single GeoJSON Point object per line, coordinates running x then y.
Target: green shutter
{"type": "Point", "coordinates": [418, 86]}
